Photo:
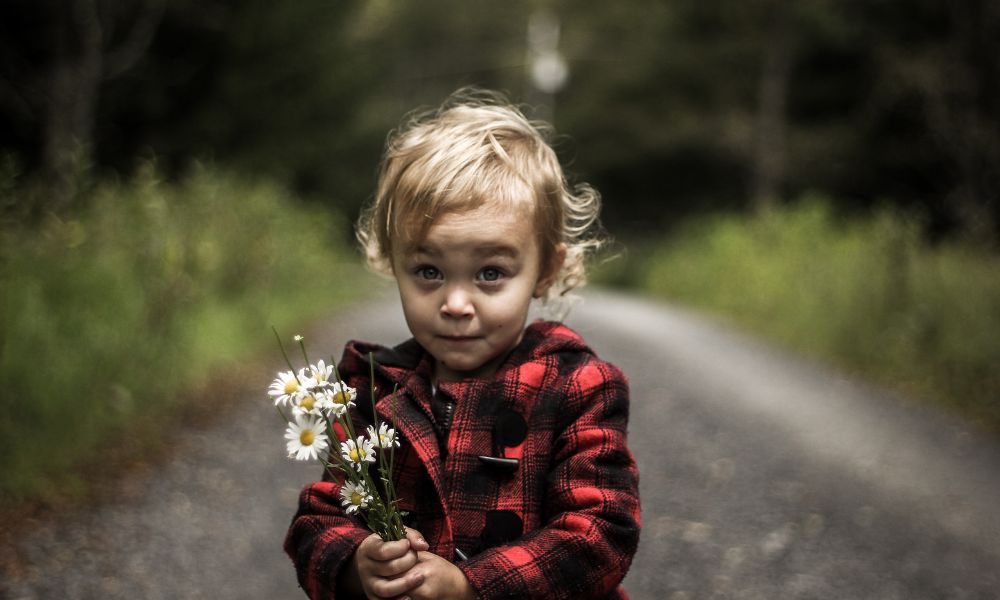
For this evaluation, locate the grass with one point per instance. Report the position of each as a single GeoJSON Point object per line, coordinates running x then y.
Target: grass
{"type": "Point", "coordinates": [868, 294]}
{"type": "Point", "coordinates": [112, 314]}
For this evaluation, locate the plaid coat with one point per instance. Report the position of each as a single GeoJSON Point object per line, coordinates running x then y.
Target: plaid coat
{"type": "Point", "coordinates": [531, 491]}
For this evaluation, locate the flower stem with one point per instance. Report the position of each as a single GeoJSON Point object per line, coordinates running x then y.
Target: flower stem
{"type": "Point", "coordinates": [302, 345]}
{"type": "Point", "coordinates": [285, 355]}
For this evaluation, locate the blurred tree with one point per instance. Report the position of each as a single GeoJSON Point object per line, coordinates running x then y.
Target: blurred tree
{"type": "Point", "coordinates": [670, 108]}
{"type": "Point", "coordinates": [783, 33]}
{"type": "Point", "coordinates": [302, 91]}
{"type": "Point", "coordinates": [663, 103]}
{"type": "Point", "coordinates": [947, 61]}
{"type": "Point", "coordinates": [689, 106]}
{"type": "Point", "coordinates": [270, 88]}
{"type": "Point", "coordinates": [56, 57]}
{"type": "Point", "coordinates": [772, 118]}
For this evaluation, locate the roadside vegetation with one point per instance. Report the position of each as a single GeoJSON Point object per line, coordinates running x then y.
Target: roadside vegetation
{"type": "Point", "coordinates": [113, 312]}
{"type": "Point", "coordinates": [868, 294]}
{"type": "Point", "coordinates": [132, 290]}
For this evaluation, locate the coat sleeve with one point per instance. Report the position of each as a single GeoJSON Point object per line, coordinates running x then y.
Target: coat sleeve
{"type": "Point", "coordinates": [322, 538]}
{"type": "Point", "coordinates": [592, 521]}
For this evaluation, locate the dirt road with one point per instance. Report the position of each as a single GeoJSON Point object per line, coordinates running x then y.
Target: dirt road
{"type": "Point", "coordinates": [761, 477]}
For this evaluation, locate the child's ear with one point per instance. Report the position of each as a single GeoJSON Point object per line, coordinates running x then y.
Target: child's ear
{"type": "Point", "coordinates": [550, 271]}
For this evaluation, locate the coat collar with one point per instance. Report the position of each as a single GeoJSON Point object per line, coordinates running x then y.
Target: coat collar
{"type": "Point", "coordinates": [408, 367]}
{"type": "Point", "coordinates": [540, 338]}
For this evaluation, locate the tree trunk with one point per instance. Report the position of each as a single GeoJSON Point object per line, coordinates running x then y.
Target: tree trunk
{"type": "Point", "coordinates": [772, 118]}
{"type": "Point", "coordinates": [70, 103]}
{"type": "Point", "coordinates": [81, 63]}
{"type": "Point", "coordinates": [969, 117]}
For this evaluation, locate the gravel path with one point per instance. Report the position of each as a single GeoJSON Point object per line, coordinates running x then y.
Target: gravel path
{"type": "Point", "coordinates": [761, 477]}
{"type": "Point", "coordinates": [210, 523]}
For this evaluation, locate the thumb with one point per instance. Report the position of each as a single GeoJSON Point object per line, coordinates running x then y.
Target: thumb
{"type": "Point", "coordinates": [416, 539]}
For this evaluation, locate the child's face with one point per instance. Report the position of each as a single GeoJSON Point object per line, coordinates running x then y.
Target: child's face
{"type": "Point", "coordinates": [467, 286]}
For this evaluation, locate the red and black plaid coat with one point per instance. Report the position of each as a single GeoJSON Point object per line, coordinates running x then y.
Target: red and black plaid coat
{"type": "Point", "coordinates": [532, 491]}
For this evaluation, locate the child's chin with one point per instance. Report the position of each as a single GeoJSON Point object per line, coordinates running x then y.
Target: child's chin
{"type": "Point", "coordinates": [462, 369]}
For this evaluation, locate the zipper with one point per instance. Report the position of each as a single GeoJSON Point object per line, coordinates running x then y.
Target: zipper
{"type": "Point", "coordinates": [445, 427]}
{"type": "Point", "coordinates": [449, 412]}
{"type": "Point", "coordinates": [444, 411]}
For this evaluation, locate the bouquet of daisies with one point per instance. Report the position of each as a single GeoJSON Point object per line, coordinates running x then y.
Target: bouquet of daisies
{"type": "Point", "coordinates": [320, 401]}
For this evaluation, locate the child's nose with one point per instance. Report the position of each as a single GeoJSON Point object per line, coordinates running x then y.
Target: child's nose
{"type": "Point", "coordinates": [457, 303]}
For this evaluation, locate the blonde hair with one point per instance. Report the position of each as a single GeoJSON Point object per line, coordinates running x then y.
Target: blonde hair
{"type": "Point", "coordinates": [473, 150]}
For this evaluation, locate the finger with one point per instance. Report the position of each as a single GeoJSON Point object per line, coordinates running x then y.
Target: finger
{"type": "Point", "coordinates": [385, 551]}
{"type": "Point", "coordinates": [416, 539]}
{"type": "Point", "coordinates": [368, 545]}
{"type": "Point", "coordinates": [396, 566]}
{"type": "Point", "coordinates": [391, 588]}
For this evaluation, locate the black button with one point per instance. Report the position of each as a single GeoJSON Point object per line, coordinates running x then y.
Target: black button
{"type": "Point", "coordinates": [505, 465]}
{"type": "Point", "coordinates": [510, 428]}
{"type": "Point", "coordinates": [502, 526]}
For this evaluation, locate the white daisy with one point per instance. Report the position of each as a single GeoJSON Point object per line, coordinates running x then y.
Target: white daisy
{"type": "Point", "coordinates": [358, 452]}
{"type": "Point", "coordinates": [306, 438]}
{"type": "Point", "coordinates": [318, 374]}
{"type": "Point", "coordinates": [384, 438]}
{"type": "Point", "coordinates": [341, 397]}
{"type": "Point", "coordinates": [354, 496]}
{"type": "Point", "coordinates": [285, 388]}
{"type": "Point", "coordinates": [309, 403]}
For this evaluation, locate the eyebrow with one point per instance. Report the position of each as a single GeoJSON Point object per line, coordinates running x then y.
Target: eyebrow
{"type": "Point", "coordinates": [496, 250]}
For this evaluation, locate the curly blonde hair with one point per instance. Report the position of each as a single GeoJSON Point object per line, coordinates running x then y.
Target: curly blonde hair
{"type": "Point", "coordinates": [478, 148]}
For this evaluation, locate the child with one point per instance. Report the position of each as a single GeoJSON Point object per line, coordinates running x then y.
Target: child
{"type": "Point", "coordinates": [514, 466]}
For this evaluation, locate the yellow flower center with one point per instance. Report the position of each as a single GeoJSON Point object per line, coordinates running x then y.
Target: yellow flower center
{"type": "Point", "coordinates": [291, 386]}
{"type": "Point", "coordinates": [341, 397]}
{"type": "Point", "coordinates": [307, 437]}
{"type": "Point", "coordinates": [356, 498]}
{"type": "Point", "coordinates": [308, 403]}
{"type": "Point", "coordinates": [357, 454]}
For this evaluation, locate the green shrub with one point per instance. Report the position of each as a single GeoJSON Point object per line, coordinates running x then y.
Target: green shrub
{"type": "Point", "coordinates": [109, 314]}
{"type": "Point", "coordinates": [869, 294]}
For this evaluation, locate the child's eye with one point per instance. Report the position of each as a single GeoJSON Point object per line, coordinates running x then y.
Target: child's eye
{"type": "Point", "coordinates": [428, 272]}
{"type": "Point", "coordinates": [491, 274]}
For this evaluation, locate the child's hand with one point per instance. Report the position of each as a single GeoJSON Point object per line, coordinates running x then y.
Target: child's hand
{"type": "Point", "coordinates": [441, 580]}
{"type": "Point", "coordinates": [384, 568]}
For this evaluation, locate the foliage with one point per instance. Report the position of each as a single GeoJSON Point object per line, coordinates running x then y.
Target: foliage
{"type": "Point", "coordinates": [868, 294]}
{"type": "Point", "coordinates": [665, 104]}
{"type": "Point", "coordinates": [111, 311]}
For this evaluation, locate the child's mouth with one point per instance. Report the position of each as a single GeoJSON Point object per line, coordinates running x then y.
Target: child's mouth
{"type": "Point", "coordinates": [458, 338]}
